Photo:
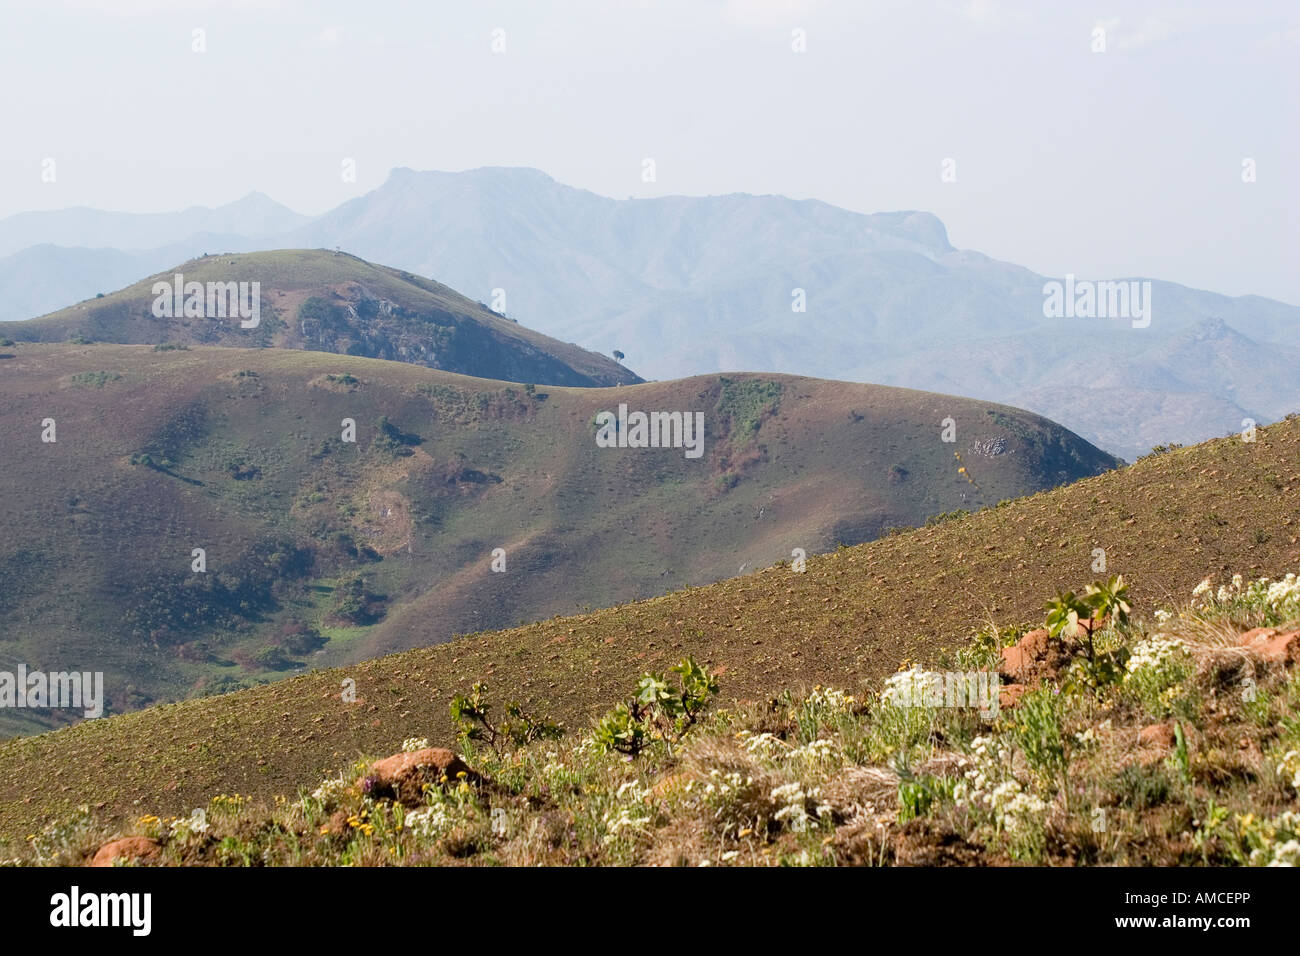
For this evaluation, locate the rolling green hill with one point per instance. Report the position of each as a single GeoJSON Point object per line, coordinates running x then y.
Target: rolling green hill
{"type": "Point", "coordinates": [853, 616]}
{"type": "Point", "coordinates": [333, 302]}
{"type": "Point", "coordinates": [318, 551]}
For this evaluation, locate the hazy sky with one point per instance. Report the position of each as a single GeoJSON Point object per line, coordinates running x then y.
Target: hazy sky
{"type": "Point", "coordinates": [1127, 162]}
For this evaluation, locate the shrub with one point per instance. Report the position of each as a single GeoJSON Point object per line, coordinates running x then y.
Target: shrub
{"type": "Point", "coordinates": [469, 713]}
{"type": "Point", "coordinates": [658, 711]}
{"type": "Point", "coordinates": [354, 603]}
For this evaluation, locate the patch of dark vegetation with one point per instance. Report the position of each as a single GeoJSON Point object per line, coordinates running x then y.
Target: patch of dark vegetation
{"type": "Point", "coordinates": [852, 531]}
{"type": "Point", "coordinates": [93, 379]}
{"type": "Point", "coordinates": [345, 544]}
{"type": "Point", "coordinates": [946, 516]}
{"type": "Point", "coordinates": [355, 603]}
{"type": "Point", "coordinates": [392, 440]}
{"type": "Point", "coordinates": [744, 404]}
{"type": "Point", "coordinates": [167, 608]}
{"type": "Point", "coordinates": [1061, 457]}
{"type": "Point", "coordinates": [321, 320]}
{"type": "Point", "coordinates": [240, 469]}
{"type": "Point", "coordinates": [184, 428]}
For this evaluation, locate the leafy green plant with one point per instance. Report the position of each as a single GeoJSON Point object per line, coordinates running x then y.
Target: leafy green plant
{"type": "Point", "coordinates": [619, 731]}
{"type": "Point", "coordinates": [1103, 600]}
{"type": "Point", "coordinates": [519, 728]}
{"type": "Point", "coordinates": [1063, 613]}
{"type": "Point", "coordinates": [659, 710]}
{"type": "Point", "coordinates": [1109, 599]}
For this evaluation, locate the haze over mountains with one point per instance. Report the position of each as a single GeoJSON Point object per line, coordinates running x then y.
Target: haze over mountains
{"type": "Point", "coordinates": [254, 215]}
{"type": "Point", "coordinates": [691, 285]}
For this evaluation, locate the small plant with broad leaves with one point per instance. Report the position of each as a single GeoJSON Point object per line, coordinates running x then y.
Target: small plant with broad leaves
{"type": "Point", "coordinates": [660, 710]}
{"type": "Point", "coordinates": [1063, 613]}
{"type": "Point", "coordinates": [518, 729]}
{"type": "Point", "coordinates": [1101, 601]}
{"type": "Point", "coordinates": [1109, 599]}
{"type": "Point", "coordinates": [620, 731]}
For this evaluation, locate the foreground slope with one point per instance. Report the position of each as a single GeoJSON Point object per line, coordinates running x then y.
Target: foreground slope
{"type": "Point", "coordinates": [854, 615]}
{"type": "Point", "coordinates": [321, 551]}
{"type": "Point", "coordinates": [332, 302]}
{"type": "Point", "coordinates": [1162, 736]}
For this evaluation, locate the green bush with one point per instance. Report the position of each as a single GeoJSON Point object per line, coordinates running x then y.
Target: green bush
{"type": "Point", "coordinates": [469, 713]}
{"type": "Point", "coordinates": [660, 710]}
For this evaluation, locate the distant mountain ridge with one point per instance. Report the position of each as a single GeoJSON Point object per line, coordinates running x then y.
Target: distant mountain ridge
{"type": "Point", "coordinates": [692, 285]}
{"type": "Point", "coordinates": [254, 215]}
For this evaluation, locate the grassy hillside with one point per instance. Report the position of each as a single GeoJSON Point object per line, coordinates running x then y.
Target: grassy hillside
{"type": "Point", "coordinates": [333, 302]}
{"type": "Point", "coordinates": [1166, 737]}
{"type": "Point", "coordinates": [852, 617]}
{"type": "Point", "coordinates": [319, 551]}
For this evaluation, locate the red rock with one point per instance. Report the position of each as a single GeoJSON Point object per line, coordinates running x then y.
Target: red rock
{"type": "Point", "coordinates": [1255, 633]}
{"type": "Point", "coordinates": [1010, 695]}
{"type": "Point", "coordinates": [1017, 660]}
{"type": "Point", "coordinates": [132, 849]}
{"type": "Point", "coordinates": [1157, 735]}
{"type": "Point", "coordinates": [1273, 647]}
{"type": "Point", "coordinates": [403, 776]}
